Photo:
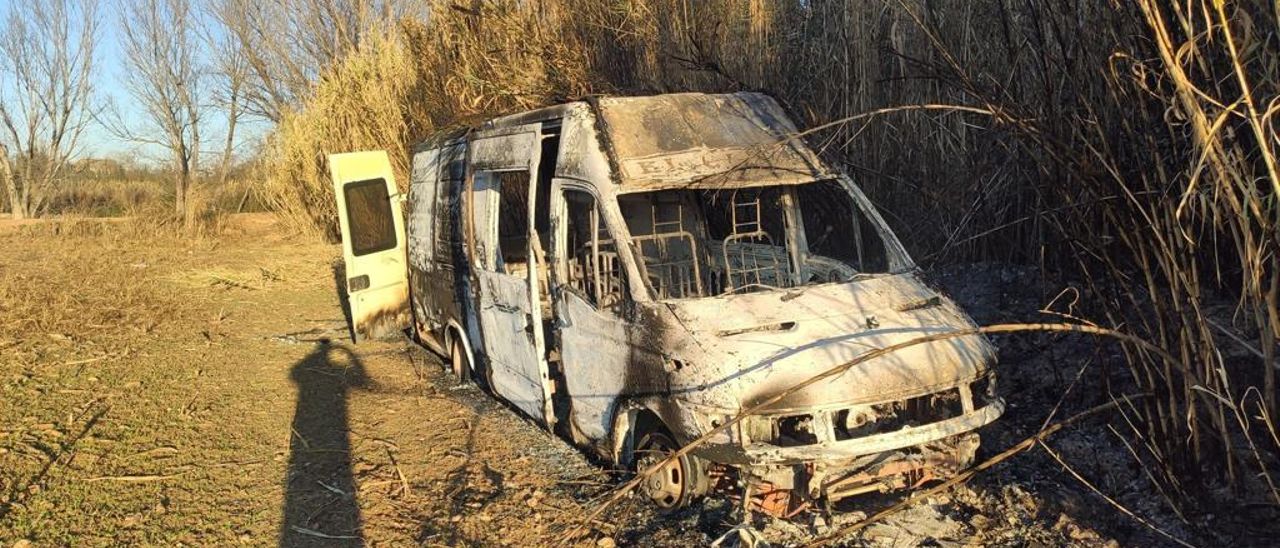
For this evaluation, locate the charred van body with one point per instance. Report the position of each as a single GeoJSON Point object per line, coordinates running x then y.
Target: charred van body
{"type": "Point", "coordinates": [636, 271]}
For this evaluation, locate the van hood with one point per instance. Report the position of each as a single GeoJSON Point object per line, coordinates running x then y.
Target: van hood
{"type": "Point", "coordinates": [744, 348]}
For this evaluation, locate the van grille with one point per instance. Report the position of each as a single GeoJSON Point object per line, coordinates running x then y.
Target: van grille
{"type": "Point", "coordinates": [893, 416]}
{"type": "Point", "coordinates": [866, 420]}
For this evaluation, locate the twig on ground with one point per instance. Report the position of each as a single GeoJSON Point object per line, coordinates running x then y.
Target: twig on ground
{"type": "Point", "coordinates": [137, 478]}
{"type": "Point", "coordinates": [88, 360]}
{"type": "Point", "coordinates": [318, 534]}
{"type": "Point", "coordinates": [403, 481]}
{"type": "Point", "coordinates": [1110, 500]}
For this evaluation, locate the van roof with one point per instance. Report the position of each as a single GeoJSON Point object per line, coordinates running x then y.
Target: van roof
{"type": "Point", "coordinates": [702, 140]}
{"type": "Point", "coordinates": [688, 140]}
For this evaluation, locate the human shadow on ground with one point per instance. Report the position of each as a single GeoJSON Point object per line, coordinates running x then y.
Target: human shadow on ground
{"type": "Point", "coordinates": [339, 269]}
{"type": "Point", "coordinates": [321, 504]}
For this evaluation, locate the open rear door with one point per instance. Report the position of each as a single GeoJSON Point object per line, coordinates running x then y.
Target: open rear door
{"type": "Point", "coordinates": [373, 243]}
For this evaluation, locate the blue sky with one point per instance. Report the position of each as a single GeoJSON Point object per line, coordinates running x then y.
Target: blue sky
{"type": "Point", "coordinates": [112, 73]}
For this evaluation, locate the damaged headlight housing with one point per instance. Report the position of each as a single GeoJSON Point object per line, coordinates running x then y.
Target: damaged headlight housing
{"type": "Point", "coordinates": [983, 389]}
{"type": "Point", "coordinates": [784, 431]}
{"type": "Point", "coordinates": [756, 428]}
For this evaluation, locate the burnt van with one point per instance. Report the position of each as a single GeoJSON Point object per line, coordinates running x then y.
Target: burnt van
{"type": "Point", "coordinates": [632, 272]}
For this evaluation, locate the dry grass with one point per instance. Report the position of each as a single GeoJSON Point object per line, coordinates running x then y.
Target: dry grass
{"type": "Point", "coordinates": [76, 288]}
{"type": "Point", "coordinates": [102, 368]}
{"type": "Point", "coordinates": [408, 83]}
{"type": "Point", "coordinates": [145, 206]}
{"type": "Point", "coordinates": [101, 198]}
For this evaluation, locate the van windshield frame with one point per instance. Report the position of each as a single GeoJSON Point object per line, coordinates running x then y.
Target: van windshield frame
{"type": "Point", "coordinates": [705, 242]}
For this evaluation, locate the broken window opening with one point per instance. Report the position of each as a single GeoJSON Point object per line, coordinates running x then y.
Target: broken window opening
{"type": "Point", "coordinates": [752, 257]}
{"type": "Point", "coordinates": [840, 235]}
{"type": "Point", "coordinates": [503, 243]}
{"type": "Point", "coordinates": [594, 270]}
{"type": "Point", "coordinates": [700, 243]}
{"type": "Point", "coordinates": [542, 214]}
{"type": "Point", "coordinates": [673, 269]}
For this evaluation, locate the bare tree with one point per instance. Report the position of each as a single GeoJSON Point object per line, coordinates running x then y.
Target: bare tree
{"type": "Point", "coordinates": [6, 174]}
{"type": "Point", "coordinates": [160, 46]}
{"type": "Point", "coordinates": [231, 70]}
{"type": "Point", "coordinates": [46, 95]}
{"type": "Point", "coordinates": [287, 43]}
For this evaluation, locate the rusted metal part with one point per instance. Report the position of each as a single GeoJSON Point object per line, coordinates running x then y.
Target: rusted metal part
{"type": "Point", "coordinates": [774, 501]}
{"type": "Point", "coordinates": [932, 462]}
{"type": "Point", "coordinates": [785, 491]}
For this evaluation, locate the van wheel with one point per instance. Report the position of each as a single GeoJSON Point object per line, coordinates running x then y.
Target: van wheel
{"type": "Point", "coordinates": [677, 483]}
{"type": "Point", "coordinates": [458, 360]}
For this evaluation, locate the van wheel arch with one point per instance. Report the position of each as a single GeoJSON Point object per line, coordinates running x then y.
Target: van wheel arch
{"type": "Point", "coordinates": [627, 417]}
{"type": "Point", "coordinates": [632, 421]}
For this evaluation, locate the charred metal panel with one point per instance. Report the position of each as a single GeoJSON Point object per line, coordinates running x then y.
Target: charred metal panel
{"type": "Point", "coordinates": [547, 114]}
{"type": "Point", "coordinates": [738, 140]}
{"type": "Point", "coordinates": [423, 187]}
{"type": "Point", "coordinates": [596, 360]}
{"type": "Point", "coordinates": [847, 450]}
{"type": "Point", "coordinates": [508, 341]}
{"type": "Point", "coordinates": [829, 325]}
{"type": "Point", "coordinates": [424, 182]}
{"type": "Point", "coordinates": [582, 157]}
{"type": "Point", "coordinates": [502, 150]}
{"type": "Point", "coordinates": [507, 301]}
{"type": "Point", "coordinates": [433, 266]}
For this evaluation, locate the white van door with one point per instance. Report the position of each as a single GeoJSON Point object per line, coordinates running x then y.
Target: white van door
{"type": "Point", "coordinates": [373, 243]}
{"type": "Point", "coordinates": [503, 169]}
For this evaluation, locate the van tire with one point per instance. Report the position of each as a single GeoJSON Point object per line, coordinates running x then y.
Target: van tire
{"type": "Point", "coordinates": [459, 364]}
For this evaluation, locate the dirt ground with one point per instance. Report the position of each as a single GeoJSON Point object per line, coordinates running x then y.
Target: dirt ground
{"type": "Point", "coordinates": [165, 391]}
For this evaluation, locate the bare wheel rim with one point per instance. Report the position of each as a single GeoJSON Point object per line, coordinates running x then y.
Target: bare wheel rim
{"type": "Point", "coordinates": [665, 487]}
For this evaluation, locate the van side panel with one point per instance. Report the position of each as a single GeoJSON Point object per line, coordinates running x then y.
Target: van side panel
{"type": "Point", "coordinates": [433, 198]}
{"type": "Point", "coordinates": [424, 184]}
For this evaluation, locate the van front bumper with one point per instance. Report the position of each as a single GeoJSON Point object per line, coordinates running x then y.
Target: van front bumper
{"type": "Point", "coordinates": [784, 480]}
{"type": "Point", "coordinates": [848, 450]}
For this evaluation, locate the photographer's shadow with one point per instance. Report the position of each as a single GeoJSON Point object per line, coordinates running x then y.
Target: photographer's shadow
{"type": "Point", "coordinates": [321, 498]}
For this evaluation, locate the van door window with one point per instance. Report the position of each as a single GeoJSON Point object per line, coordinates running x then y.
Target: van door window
{"type": "Point", "coordinates": [369, 216]}
{"type": "Point", "coordinates": [837, 229]}
{"type": "Point", "coordinates": [594, 270]}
